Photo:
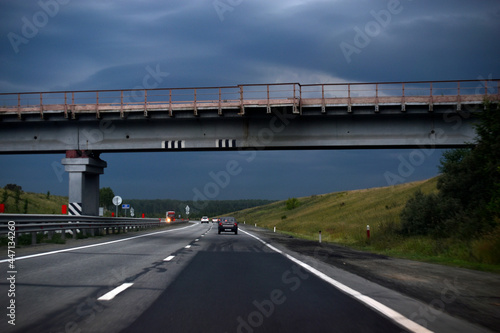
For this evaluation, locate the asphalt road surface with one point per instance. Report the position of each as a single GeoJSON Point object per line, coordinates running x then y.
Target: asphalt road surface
{"type": "Point", "coordinates": [187, 279]}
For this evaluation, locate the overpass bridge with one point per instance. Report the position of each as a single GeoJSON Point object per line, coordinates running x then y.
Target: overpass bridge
{"type": "Point", "coordinates": [83, 124]}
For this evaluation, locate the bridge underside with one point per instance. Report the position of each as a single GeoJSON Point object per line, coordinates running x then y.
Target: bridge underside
{"type": "Point", "coordinates": [279, 127]}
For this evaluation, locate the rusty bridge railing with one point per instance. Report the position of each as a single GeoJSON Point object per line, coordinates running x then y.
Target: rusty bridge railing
{"type": "Point", "coordinates": [241, 97]}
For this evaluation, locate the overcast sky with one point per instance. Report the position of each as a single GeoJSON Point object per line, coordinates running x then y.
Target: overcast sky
{"type": "Point", "coordinates": [52, 45]}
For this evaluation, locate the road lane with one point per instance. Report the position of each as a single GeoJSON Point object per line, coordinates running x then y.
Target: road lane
{"type": "Point", "coordinates": [237, 284]}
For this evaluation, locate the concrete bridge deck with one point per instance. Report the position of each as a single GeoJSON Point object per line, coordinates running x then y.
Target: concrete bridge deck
{"type": "Point", "coordinates": [263, 116]}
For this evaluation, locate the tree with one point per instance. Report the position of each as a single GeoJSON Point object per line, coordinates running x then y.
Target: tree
{"type": "Point", "coordinates": [292, 203]}
{"type": "Point", "coordinates": [487, 154]}
{"type": "Point", "coordinates": [5, 195]}
{"type": "Point", "coordinates": [106, 196]}
{"type": "Point", "coordinates": [17, 197]}
{"type": "Point", "coordinates": [468, 202]}
{"type": "Point", "coordinates": [13, 188]}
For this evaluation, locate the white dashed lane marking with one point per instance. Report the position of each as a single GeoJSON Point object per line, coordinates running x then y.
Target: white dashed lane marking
{"type": "Point", "coordinates": [109, 296]}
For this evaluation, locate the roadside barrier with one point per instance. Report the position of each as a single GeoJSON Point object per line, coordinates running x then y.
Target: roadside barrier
{"type": "Point", "coordinates": [34, 224]}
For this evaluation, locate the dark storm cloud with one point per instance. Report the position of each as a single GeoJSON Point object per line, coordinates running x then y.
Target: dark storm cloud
{"type": "Point", "coordinates": [116, 44]}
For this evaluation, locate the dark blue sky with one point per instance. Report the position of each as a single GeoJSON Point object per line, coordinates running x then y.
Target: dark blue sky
{"type": "Point", "coordinates": [74, 45]}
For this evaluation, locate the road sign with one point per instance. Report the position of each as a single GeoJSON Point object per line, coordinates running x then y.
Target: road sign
{"type": "Point", "coordinates": [132, 212]}
{"type": "Point", "coordinates": [117, 201]}
{"type": "Point", "coordinates": [125, 206]}
{"type": "Point", "coordinates": [187, 210]}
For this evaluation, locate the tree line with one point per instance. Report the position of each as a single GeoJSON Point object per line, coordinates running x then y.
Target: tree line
{"type": "Point", "coordinates": [159, 207]}
{"type": "Point", "coordinates": [467, 203]}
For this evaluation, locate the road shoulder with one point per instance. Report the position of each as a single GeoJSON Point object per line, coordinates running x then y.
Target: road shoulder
{"type": "Point", "coordinates": [441, 290]}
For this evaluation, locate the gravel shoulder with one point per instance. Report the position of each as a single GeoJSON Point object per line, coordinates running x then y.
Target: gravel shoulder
{"type": "Point", "coordinates": [475, 297]}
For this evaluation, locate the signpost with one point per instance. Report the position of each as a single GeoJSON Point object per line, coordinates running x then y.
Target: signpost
{"type": "Point", "coordinates": [132, 212]}
{"type": "Point", "coordinates": [187, 211]}
{"type": "Point", "coordinates": [117, 202]}
{"type": "Point", "coordinates": [125, 206]}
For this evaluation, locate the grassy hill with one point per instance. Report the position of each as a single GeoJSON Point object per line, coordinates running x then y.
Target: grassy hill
{"type": "Point", "coordinates": [31, 203]}
{"type": "Point", "coordinates": [342, 218]}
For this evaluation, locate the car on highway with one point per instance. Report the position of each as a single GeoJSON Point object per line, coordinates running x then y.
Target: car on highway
{"type": "Point", "coordinates": [215, 220]}
{"type": "Point", "coordinates": [228, 223]}
{"type": "Point", "coordinates": [204, 219]}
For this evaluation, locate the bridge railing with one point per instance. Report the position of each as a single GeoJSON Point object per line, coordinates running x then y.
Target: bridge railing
{"type": "Point", "coordinates": [238, 96]}
{"type": "Point", "coordinates": [30, 223]}
{"type": "Point", "coordinates": [401, 89]}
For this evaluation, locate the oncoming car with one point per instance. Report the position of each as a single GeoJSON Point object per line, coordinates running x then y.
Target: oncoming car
{"type": "Point", "coordinates": [204, 219]}
{"type": "Point", "coordinates": [229, 224]}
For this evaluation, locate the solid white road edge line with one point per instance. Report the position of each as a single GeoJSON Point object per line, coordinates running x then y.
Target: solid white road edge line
{"type": "Point", "coordinates": [370, 302]}
{"type": "Point", "coordinates": [93, 245]}
{"type": "Point", "coordinates": [109, 296]}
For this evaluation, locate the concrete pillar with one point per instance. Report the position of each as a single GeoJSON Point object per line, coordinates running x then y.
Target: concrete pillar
{"type": "Point", "coordinates": [84, 169]}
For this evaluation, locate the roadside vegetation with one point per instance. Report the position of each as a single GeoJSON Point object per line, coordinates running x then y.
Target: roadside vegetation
{"type": "Point", "coordinates": [452, 219]}
{"type": "Point", "coordinates": [16, 201]}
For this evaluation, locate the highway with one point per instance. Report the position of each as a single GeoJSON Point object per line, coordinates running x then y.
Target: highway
{"type": "Point", "coordinates": [186, 279]}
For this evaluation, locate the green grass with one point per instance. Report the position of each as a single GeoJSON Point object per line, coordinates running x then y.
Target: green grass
{"type": "Point", "coordinates": [342, 218]}
{"type": "Point", "coordinates": [37, 203]}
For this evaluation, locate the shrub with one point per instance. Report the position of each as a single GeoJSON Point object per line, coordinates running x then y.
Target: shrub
{"type": "Point", "coordinates": [292, 203]}
{"type": "Point", "coordinates": [487, 248]}
{"type": "Point", "coordinates": [418, 214]}
{"type": "Point", "coordinates": [434, 215]}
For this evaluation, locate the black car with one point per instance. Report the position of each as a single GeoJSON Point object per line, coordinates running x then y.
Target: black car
{"type": "Point", "coordinates": [228, 224]}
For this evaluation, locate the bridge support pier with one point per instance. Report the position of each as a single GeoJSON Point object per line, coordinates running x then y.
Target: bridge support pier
{"type": "Point", "coordinates": [84, 169]}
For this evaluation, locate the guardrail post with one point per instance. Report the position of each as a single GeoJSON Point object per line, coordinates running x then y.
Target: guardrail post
{"type": "Point", "coordinates": [65, 105]}
{"type": "Point", "coordinates": [194, 104]}
{"type": "Point", "coordinates": [268, 101]}
{"type": "Point", "coordinates": [73, 106]}
{"type": "Point", "coordinates": [97, 114]}
{"type": "Point", "coordinates": [33, 237]}
{"type": "Point", "coordinates": [41, 105]}
{"type": "Point", "coordinates": [403, 100]}
{"type": "Point", "coordinates": [19, 106]}
{"type": "Point", "coordinates": [220, 102]}
{"type": "Point", "coordinates": [170, 103]}
{"type": "Point", "coordinates": [431, 103]}
{"type": "Point", "coordinates": [323, 102]}
{"type": "Point", "coordinates": [349, 107]}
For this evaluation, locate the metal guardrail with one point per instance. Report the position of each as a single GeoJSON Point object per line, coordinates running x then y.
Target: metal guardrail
{"type": "Point", "coordinates": [30, 223]}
